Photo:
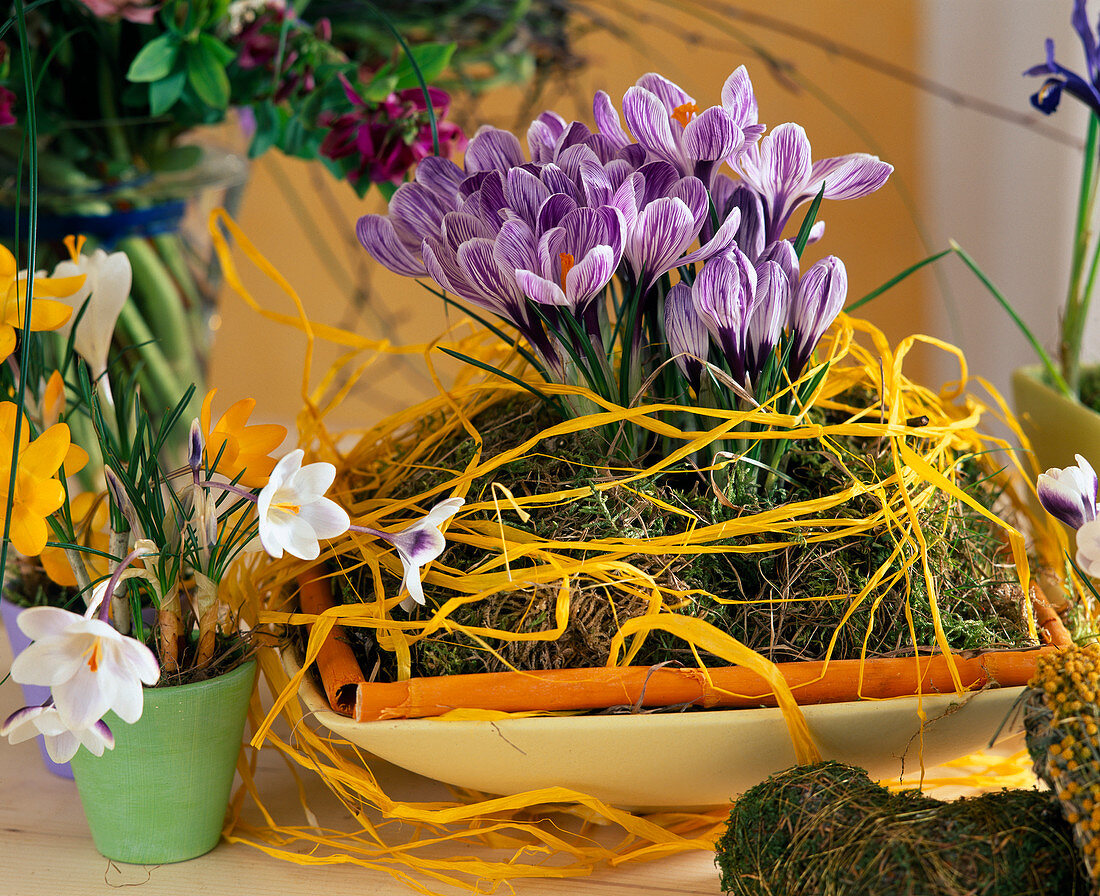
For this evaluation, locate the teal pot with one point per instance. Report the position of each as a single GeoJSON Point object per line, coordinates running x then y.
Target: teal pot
{"type": "Point", "coordinates": [1058, 427]}
{"type": "Point", "coordinates": [160, 795]}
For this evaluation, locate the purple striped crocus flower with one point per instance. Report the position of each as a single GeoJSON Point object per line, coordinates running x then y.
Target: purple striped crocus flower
{"type": "Point", "coordinates": [687, 336]}
{"type": "Point", "coordinates": [781, 171]}
{"type": "Point", "coordinates": [723, 295]}
{"type": "Point", "coordinates": [815, 305]}
{"type": "Point", "coordinates": [670, 126]}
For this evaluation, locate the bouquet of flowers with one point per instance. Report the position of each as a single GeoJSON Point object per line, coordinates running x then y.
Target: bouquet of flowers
{"type": "Point", "coordinates": [127, 579]}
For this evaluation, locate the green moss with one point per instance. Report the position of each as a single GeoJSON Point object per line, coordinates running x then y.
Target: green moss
{"type": "Point", "coordinates": [760, 598]}
{"type": "Point", "coordinates": [828, 829]}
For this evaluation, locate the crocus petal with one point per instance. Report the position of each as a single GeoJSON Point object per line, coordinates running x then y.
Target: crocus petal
{"type": "Point", "coordinates": [378, 237]}
{"type": "Point", "coordinates": [647, 117]}
{"type": "Point", "coordinates": [1069, 494]}
{"type": "Point", "coordinates": [711, 135]}
{"type": "Point", "coordinates": [1088, 548]}
{"type": "Point", "coordinates": [849, 177]}
{"type": "Point", "coordinates": [739, 99]}
{"type": "Point", "coordinates": [607, 120]}
{"type": "Point", "coordinates": [541, 290]}
{"type": "Point", "coordinates": [493, 149]}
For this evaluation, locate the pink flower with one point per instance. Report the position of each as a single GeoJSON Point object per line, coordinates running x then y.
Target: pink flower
{"type": "Point", "coordinates": [140, 11]}
{"type": "Point", "coordinates": [386, 140]}
{"type": "Point", "coordinates": [7, 101]}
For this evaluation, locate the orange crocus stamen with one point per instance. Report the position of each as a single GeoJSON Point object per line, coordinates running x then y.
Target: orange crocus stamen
{"type": "Point", "coordinates": [685, 113]}
{"type": "Point", "coordinates": [93, 659]}
{"type": "Point", "coordinates": [567, 262]}
{"type": "Point", "coordinates": [289, 508]}
{"type": "Point", "coordinates": [75, 245]}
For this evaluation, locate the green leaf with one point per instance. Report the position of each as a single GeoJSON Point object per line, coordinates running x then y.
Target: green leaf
{"type": "Point", "coordinates": [269, 127]}
{"type": "Point", "coordinates": [217, 49]}
{"type": "Point", "coordinates": [164, 93]}
{"type": "Point", "coordinates": [378, 89]}
{"type": "Point", "coordinates": [207, 76]}
{"type": "Point", "coordinates": [155, 60]}
{"type": "Point", "coordinates": [808, 222]}
{"type": "Point", "coordinates": [431, 59]}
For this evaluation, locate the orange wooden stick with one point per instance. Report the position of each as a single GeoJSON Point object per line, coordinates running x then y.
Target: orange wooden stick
{"type": "Point", "coordinates": [728, 686]}
{"type": "Point", "coordinates": [336, 663]}
{"type": "Point", "coordinates": [599, 688]}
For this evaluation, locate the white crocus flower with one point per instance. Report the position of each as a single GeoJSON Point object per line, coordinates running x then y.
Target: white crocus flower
{"type": "Point", "coordinates": [89, 666]}
{"type": "Point", "coordinates": [419, 545]}
{"type": "Point", "coordinates": [294, 513]}
{"type": "Point", "coordinates": [106, 288]}
{"type": "Point", "coordinates": [62, 743]}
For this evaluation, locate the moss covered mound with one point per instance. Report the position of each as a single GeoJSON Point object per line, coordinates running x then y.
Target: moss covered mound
{"type": "Point", "coordinates": [828, 830]}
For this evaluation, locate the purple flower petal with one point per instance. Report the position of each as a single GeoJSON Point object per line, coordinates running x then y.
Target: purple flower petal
{"type": "Point", "coordinates": [711, 135]}
{"type": "Point", "coordinates": [1069, 494]}
{"type": "Point", "coordinates": [849, 177]}
{"type": "Point", "coordinates": [559, 182]}
{"type": "Point", "coordinates": [515, 246]}
{"type": "Point", "coordinates": [819, 299]}
{"type": "Point", "coordinates": [378, 237]}
{"type": "Point", "coordinates": [543, 135]}
{"type": "Point", "coordinates": [686, 333]}
{"type": "Point", "coordinates": [493, 150]}
{"type": "Point", "coordinates": [525, 194]}
{"type": "Point", "coordinates": [664, 229]}
{"type": "Point", "coordinates": [541, 290]}
{"type": "Point", "coordinates": [440, 176]}
{"type": "Point", "coordinates": [554, 210]}
{"type": "Point", "coordinates": [767, 316]}
{"type": "Point", "coordinates": [671, 95]}
{"type": "Point", "coordinates": [739, 100]}
{"type": "Point", "coordinates": [607, 120]}
{"type": "Point", "coordinates": [647, 118]}
{"type": "Point", "coordinates": [587, 278]}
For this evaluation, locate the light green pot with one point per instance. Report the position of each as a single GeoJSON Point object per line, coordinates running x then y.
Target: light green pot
{"type": "Point", "coordinates": [1058, 427]}
{"type": "Point", "coordinates": [160, 795]}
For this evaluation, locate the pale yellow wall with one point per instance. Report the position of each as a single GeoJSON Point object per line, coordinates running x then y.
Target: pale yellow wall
{"type": "Point", "coordinates": [291, 208]}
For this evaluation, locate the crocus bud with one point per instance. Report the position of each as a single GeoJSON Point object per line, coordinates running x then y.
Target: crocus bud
{"type": "Point", "coordinates": [686, 334]}
{"type": "Point", "coordinates": [1070, 494]}
{"type": "Point", "coordinates": [820, 297]}
{"type": "Point", "coordinates": [767, 315]}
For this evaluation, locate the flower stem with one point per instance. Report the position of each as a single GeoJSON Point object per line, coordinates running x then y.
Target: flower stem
{"type": "Point", "coordinates": [1079, 294]}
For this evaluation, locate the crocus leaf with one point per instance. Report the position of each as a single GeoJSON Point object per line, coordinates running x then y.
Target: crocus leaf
{"type": "Point", "coordinates": [155, 60]}
{"type": "Point", "coordinates": [808, 223]}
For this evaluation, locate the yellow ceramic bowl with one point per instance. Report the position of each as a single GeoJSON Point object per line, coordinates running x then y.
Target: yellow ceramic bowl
{"type": "Point", "coordinates": [666, 760]}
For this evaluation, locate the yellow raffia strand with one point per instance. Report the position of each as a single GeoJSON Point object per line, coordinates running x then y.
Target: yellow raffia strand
{"type": "Point", "coordinates": [431, 846]}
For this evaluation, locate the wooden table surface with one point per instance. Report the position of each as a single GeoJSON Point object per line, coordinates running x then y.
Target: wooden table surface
{"type": "Point", "coordinates": [46, 848]}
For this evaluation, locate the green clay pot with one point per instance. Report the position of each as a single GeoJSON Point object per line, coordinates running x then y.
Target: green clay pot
{"type": "Point", "coordinates": [160, 795]}
{"type": "Point", "coordinates": [1058, 427]}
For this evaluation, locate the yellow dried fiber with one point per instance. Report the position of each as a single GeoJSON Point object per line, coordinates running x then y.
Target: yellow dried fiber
{"type": "Point", "coordinates": [389, 450]}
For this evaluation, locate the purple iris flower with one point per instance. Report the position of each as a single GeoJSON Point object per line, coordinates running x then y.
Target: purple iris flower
{"type": "Point", "coordinates": [1059, 78]}
{"type": "Point", "coordinates": [815, 305]}
{"type": "Point", "coordinates": [781, 171]}
{"type": "Point", "coordinates": [1069, 495]}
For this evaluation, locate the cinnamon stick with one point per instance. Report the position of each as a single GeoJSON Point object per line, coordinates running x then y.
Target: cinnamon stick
{"type": "Point", "coordinates": [336, 663]}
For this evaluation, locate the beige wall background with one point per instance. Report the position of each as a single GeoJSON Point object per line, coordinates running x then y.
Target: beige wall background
{"type": "Point", "coordinates": [804, 60]}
